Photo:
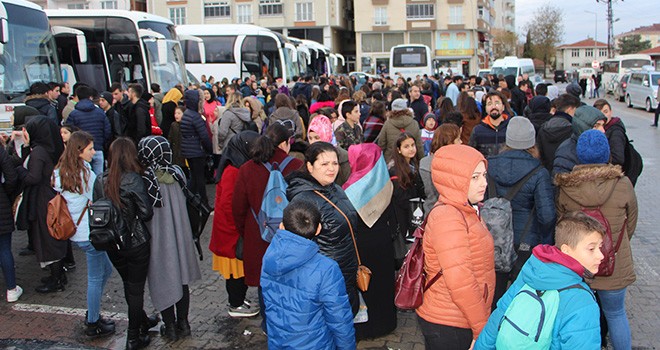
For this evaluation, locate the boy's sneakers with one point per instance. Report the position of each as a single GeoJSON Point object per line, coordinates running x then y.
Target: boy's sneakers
{"type": "Point", "coordinates": [245, 310]}
{"type": "Point", "coordinates": [14, 294]}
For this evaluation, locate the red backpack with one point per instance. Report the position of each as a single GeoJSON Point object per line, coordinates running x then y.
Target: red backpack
{"type": "Point", "coordinates": [609, 250]}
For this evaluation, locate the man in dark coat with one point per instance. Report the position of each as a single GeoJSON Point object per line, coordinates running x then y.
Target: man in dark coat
{"type": "Point", "coordinates": [518, 99]}
{"type": "Point", "coordinates": [419, 107]}
{"type": "Point", "coordinates": [553, 132]}
{"type": "Point", "coordinates": [138, 121]}
{"type": "Point", "coordinates": [490, 135]}
{"type": "Point", "coordinates": [539, 111]}
{"type": "Point", "coordinates": [38, 99]}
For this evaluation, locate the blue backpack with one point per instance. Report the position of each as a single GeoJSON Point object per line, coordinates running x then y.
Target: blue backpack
{"type": "Point", "coordinates": [274, 200]}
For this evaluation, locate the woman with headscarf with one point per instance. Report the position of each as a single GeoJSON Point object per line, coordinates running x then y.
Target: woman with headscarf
{"type": "Point", "coordinates": [370, 191]}
{"type": "Point", "coordinates": [320, 129]}
{"type": "Point", "coordinates": [224, 235]}
{"type": "Point", "coordinates": [170, 102]}
{"type": "Point", "coordinates": [172, 263]}
{"type": "Point", "coordinates": [46, 145]}
{"type": "Point", "coordinates": [209, 105]}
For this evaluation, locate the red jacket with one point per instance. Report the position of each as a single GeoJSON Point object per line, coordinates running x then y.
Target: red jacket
{"type": "Point", "coordinates": [224, 234]}
{"type": "Point", "coordinates": [248, 193]}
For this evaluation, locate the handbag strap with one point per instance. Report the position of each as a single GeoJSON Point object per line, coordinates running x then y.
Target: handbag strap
{"type": "Point", "coordinates": [347, 220]}
{"type": "Point", "coordinates": [81, 214]}
{"type": "Point", "coordinates": [623, 230]}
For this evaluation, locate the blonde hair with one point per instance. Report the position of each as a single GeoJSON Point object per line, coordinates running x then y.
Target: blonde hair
{"type": "Point", "coordinates": [574, 226]}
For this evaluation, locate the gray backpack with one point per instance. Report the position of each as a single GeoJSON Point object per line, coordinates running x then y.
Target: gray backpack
{"type": "Point", "coordinates": [498, 217]}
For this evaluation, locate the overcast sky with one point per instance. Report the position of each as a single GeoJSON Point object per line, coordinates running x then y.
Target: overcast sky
{"type": "Point", "coordinates": [579, 24]}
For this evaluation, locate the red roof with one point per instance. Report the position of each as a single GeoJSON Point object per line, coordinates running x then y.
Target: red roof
{"type": "Point", "coordinates": [584, 43]}
{"type": "Point", "coordinates": [652, 51]}
{"type": "Point", "coordinates": [654, 28]}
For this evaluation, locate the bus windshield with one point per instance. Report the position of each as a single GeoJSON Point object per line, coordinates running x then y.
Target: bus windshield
{"type": "Point", "coordinates": [632, 63]}
{"type": "Point", "coordinates": [166, 29]}
{"type": "Point", "coordinates": [504, 71]}
{"type": "Point", "coordinates": [410, 57]}
{"type": "Point", "coordinates": [171, 72]}
{"type": "Point", "coordinates": [29, 55]}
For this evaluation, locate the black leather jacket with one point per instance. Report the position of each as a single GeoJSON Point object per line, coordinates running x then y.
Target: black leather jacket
{"type": "Point", "coordinates": [136, 208]}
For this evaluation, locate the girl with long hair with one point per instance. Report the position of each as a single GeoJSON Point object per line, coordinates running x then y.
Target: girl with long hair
{"type": "Point", "coordinates": [122, 183]}
{"type": "Point", "coordinates": [74, 179]}
{"type": "Point", "coordinates": [471, 115]}
{"type": "Point", "coordinates": [210, 104]}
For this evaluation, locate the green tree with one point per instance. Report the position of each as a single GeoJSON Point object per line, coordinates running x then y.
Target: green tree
{"type": "Point", "coordinates": [546, 31]}
{"type": "Point", "coordinates": [527, 47]}
{"type": "Point", "coordinates": [633, 44]}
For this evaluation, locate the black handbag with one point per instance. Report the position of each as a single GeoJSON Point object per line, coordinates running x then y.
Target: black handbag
{"type": "Point", "coordinates": [198, 213]}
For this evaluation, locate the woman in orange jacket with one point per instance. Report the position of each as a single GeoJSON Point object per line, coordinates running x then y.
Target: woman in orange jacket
{"type": "Point", "coordinates": [459, 247]}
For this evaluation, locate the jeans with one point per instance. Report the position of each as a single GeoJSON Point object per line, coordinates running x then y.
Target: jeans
{"type": "Point", "coordinates": [613, 303]}
{"type": "Point", "coordinates": [7, 261]}
{"type": "Point", "coordinates": [437, 336]}
{"type": "Point", "coordinates": [132, 265]}
{"type": "Point", "coordinates": [99, 270]}
{"type": "Point", "coordinates": [97, 163]}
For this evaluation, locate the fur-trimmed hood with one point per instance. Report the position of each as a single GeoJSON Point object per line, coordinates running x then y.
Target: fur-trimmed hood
{"type": "Point", "coordinates": [590, 185]}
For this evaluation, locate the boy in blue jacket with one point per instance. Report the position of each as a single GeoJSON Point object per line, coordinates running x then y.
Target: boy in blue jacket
{"type": "Point", "coordinates": [576, 255]}
{"type": "Point", "coordinates": [304, 292]}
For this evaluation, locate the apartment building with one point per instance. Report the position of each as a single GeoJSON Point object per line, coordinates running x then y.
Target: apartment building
{"type": "Point", "coordinates": [650, 33]}
{"type": "Point", "coordinates": [457, 31]}
{"type": "Point", "coordinates": [505, 15]}
{"type": "Point", "coordinates": [328, 22]}
{"type": "Point", "coordinates": [580, 54]}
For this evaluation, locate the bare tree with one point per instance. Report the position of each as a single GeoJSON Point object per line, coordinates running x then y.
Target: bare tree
{"type": "Point", "coordinates": [546, 31]}
{"type": "Point", "coordinates": [505, 43]}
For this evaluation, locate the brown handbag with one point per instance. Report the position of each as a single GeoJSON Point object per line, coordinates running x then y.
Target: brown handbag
{"type": "Point", "coordinates": [59, 221]}
{"type": "Point", "coordinates": [363, 272]}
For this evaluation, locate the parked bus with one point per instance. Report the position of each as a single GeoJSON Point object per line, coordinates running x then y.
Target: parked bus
{"type": "Point", "coordinates": [27, 54]}
{"type": "Point", "coordinates": [616, 67]}
{"type": "Point", "coordinates": [411, 60]}
{"type": "Point", "coordinates": [122, 46]}
{"type": "Point", "coordinates": [321, 61]}
{"type": "Point", "coordinates": [238, 51]}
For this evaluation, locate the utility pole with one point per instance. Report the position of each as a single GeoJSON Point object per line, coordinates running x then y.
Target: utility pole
{"type": "Point", "coordinates": [610, 28]}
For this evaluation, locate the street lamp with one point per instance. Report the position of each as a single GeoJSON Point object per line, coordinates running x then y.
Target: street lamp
{"type": "Point", "coordinates": [596, 22]}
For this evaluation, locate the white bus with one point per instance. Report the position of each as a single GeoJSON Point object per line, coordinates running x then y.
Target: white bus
{"type": "Point", "coordinates": [27, 54]}
{"type": "Point", "coordinates": [615, 67]}
{"type": "Point", "coordinates": [512, 65]}
{"type": "Point", "coordinates": [122, 46]}
{"type": "Point", "coordinates": [411, 60]}
{"type": "Point", "coordinates": [238, 51]}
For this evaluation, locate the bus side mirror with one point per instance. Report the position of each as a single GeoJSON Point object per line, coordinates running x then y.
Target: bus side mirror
{"type": "Point", "coordinates": [4, 34]}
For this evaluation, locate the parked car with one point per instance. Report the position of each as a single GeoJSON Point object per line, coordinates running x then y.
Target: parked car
{"type": "Point", "coordinates": [642, 90]}
{"type": "Point", "coordinates": [619, 90]}
{"type": "Point", "coordinates": [536, 79]}
{"type": "Point", "coordinates": [560, 76]}
{"type": "Point", "coordinates": [483, 73]}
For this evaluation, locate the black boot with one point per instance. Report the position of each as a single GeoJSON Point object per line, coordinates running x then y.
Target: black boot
{"type": "Point", "coordinates": [148, 322]}
{"type": "Point", "coordinates": [55, 283]}
{"type": "Point", "coordinates": [183, 327]}
{"type": "Point", "coordinates": [169, 331]}
{"type": "Point", "coordinates": [47, 279]}
{"type": "Point", "coordinates": [133, 339]}
{"type": "Point", "coordinates": [98, 329]}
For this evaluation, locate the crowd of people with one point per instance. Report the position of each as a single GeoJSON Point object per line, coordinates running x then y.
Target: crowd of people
{"type": "Point", "coordinates": [363, 163]}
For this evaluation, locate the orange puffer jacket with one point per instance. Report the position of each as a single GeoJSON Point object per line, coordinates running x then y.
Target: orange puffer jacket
{"type": "Point", "coordinates": [457, 242]}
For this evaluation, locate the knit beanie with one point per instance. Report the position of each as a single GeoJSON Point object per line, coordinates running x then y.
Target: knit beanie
{"type": "Point", "coordinates": [399, 104]}
{"type": "Point", "coordinates": [593, 148]}
{"type": "Point", "coordinates": [574, 89]}
{"type": "Point", "coordinates": [107, 96]}
{"type": "Point", "coordinates": [322, 126]}
{"type": "Point", "coordinates": [585, 118]}
{"type": "Point", "coordinates": [430, 115]}
{"type": "Point", "coordinates": [520, 133]}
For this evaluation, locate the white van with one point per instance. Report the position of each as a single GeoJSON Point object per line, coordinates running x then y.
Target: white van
{"type": "Point", "coordinates": [512, 65]}
{"type": "Point", "coordinates": [642, 90]}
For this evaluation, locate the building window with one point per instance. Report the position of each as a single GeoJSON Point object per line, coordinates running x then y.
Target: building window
{"type": "Point", "coordinates": [304, 11]}
{"type": "Point", "coordinates": [244, 13]}
{"type": "Point", "coordinates": [424, 38]}
{"type": "Point", "coordinates": [380, 16]}
{"type": "Point", "coordinates": [575, 53]}
{"type": "Point", "coordinates": [455, 14]}
{"type": "Point", "coordinates": [602, 52]}
{"type": "Point", "coordinates": [380, 42]}
{"type": "Point", "coordinates": [178, 15]}
{"type": "Point", "coordinates": [589, 53]}
{"type": "Point", "coordinates": [420, 11]}
{"type": "Point", "coordinates": [109, 5]}
{"type": "Point", "coordinates": [77, 6]}
{"type": "Point", "coordinates": [217, 9]}
{"type": "Point", "coordinates": [270, 7]}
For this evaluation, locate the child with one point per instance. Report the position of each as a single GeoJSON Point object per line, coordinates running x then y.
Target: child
{"type": "Point", "coordinates": [66, 131]}
{"type": "Point", "coordinates": [427, 132]}
{"type": "Point", "coordinates": [304, 292]}
{"type": "Point", "coordinates": [562, 267]}
{"type": "Point", "coordinates": [175, 139]}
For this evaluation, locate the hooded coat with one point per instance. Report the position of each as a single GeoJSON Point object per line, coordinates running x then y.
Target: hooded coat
{"type": "Point", "coordinates": [232, 122]}
{"type": "Point", "coordinates": [616, 137]}
{"type": "Point", "coordinates": [305, 296]}
{"type": "Point", "coordinates": [537, 193]}
{"type": "Point", "coordinates": [566, 156]}
{"type": "Point", "coordinates": [43, 105]}
{"type": "Point", "coordinates": [457, 243]}
{"type": "Point", "coordinates": [604, 186]}
{"type": "Point", "coordinates": [539, 108]}
{"type": "Point", "coordinates": [335, 239]}
{"type": "Point", "coordinates": [286, 113]}
{"type": "Point", "coordinates": [488, 138]}
{"type": "Point", "coordinates": [88, 117]}
{"type": "Point", "coordinates": [138, 123]}
{"type": "Point", "coordinates": [551, 135]}
{"type": "Point", "coordinates": [518, 98]}
{"type": "Point", "coordinates": [577, 324]}
{"type": "Point", "coordinates": [398, 122]}
{"type": "Point", "coordinates": [195, 140]}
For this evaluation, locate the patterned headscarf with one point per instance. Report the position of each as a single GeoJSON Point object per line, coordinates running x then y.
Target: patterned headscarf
{"type": "Point", "coordinates": [156, 154]}
{"type": "Point", "coordinates": [322, 126]}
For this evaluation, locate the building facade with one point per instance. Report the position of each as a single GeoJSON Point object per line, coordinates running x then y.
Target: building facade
{"type": "Point", "coordinates": [457, 31]}
{"type": "Point", "coordinates": [580, 54]}
{"type": "Point", "coordinates": [505, 15]}
{"type": "Point", "coordinates": [136, 5]}
{"type": "Point", "coordinates": [328, 22]}
{"type": "Point", "coordinates": [650, 33]}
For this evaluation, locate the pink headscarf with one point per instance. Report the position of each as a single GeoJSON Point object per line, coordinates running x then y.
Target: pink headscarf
{"type": "Point", "coordinates": [322, 126]}
{"type": "Point", "coordinates": [363, 158]}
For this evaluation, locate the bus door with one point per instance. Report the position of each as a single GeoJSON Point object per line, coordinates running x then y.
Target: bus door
{"type": "Point", "coordinates": [260, 56]}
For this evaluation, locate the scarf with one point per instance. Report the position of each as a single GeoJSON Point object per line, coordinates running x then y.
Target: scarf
{"type": "Point", "coordinates": [156, 154]}
{"type": "Point", "coordinates": [368, 187]}
{"type": "Point", "coordinates": [174, 95]}
{"type": "Point", "coordinates": [237, 151]}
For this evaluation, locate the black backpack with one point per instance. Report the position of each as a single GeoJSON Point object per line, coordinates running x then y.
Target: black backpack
{"type": "Point", "coordinates": [103, 218]}
{"type": "Point", "coordinates": [633, 163]}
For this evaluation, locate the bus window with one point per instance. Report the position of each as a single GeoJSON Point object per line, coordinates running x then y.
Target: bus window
{"type": "Point", "coordinates": [121, 29]}
{"type": "Point", "coordinates": [219, 49]}
{"type": "Point", "coordinates": [191, 52]}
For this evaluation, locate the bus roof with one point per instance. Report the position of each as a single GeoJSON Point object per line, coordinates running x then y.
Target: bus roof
{"type": "Point", "coordinates": [135, 16]}
{"type": "Point", "coordinates": [23, 3]}
{"type": "Point", "coordinates": [223, 29]}
{"type": "Point", "coordinates": [315, 45]}
{"type": "Point", "coordinates": [410, 45]}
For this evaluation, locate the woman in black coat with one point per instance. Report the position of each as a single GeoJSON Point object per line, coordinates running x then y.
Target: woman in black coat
{"type": "Point", "coordinates": [46, 146]}
{"type": "Point", "coordinates": [8, 174]}
{"type": "Point", "coordinates": [335, 241]}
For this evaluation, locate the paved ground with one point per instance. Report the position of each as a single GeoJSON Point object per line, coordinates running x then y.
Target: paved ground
{"type": "Point", "coordinates": [54, 321]}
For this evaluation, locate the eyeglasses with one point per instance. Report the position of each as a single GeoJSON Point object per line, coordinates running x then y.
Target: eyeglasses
{"type": "Point", "coordinates": [497, 104]}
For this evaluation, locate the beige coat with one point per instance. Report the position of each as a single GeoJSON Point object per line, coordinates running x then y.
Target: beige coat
{"type": "Point", "coordinates": [604, 186]}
